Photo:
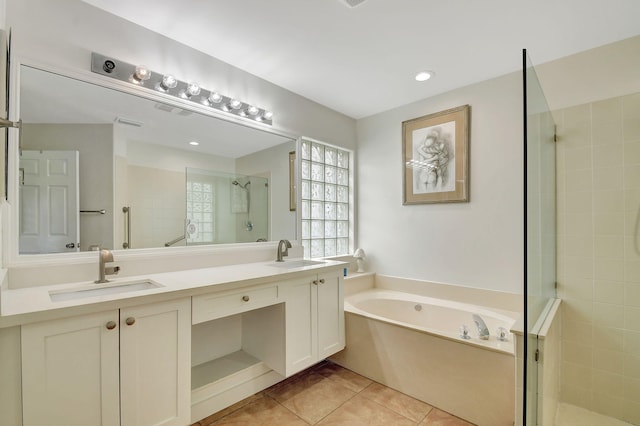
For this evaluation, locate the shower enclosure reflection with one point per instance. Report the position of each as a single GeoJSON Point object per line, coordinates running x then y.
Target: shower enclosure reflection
{"type": "Point", "coordinates": [212, 208]}
{"type": "Point", "coordinates": [224, 208]}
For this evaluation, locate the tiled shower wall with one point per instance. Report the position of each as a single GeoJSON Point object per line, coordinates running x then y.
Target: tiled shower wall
{"type": "Point", "coordinates": [598, 165]}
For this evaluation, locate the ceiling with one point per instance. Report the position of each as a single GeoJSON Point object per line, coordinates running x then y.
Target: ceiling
{"type": "Point", "coordinates": [362, 60]}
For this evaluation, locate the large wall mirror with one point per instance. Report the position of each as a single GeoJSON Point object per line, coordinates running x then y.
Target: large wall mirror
{"type": "Point", "coordinates": [99, 167]}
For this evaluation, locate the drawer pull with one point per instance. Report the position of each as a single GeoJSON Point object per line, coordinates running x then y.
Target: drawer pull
{"type": "Point", "coordinates": [315, 282]}
{"type": "Point", "coordinates": [111, 325]}
{"type": "Point", "coordinates": [130, 321]}
{"type": "Point", "coordinates": [245, 298]}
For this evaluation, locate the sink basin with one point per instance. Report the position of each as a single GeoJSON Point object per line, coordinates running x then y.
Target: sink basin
{"type": "Point", "coordinates": [93, 290]}
{"type": "Point", "coordinates": [297, 263]}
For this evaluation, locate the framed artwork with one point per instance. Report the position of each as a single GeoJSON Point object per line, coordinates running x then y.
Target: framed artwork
{"type": "Point", "coordinates": [435, 157]}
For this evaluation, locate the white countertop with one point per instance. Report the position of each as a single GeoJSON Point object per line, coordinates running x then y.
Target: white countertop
{"type": "Point", "coordinates": [26, 305]}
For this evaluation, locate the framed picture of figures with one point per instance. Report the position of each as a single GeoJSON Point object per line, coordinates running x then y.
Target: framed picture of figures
{"type": "Point", "coordinates": [435, 157]}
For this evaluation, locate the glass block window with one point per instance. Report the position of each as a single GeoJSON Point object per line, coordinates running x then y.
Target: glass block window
{"type": "Point", "coordinates": [200, 210]}
{"type": "Point", "coordinates": [325, 208]}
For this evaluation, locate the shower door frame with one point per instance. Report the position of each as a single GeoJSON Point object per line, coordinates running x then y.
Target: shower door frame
{"type": "Point", "coordinates": [540, 230]}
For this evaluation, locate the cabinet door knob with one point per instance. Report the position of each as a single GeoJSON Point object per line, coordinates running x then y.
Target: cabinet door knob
{"type": "Point", "coordinates": [130, 321]}
{"type": "Point", "coordinates": [111, 325]}
{"type": "Point", "coordinates": [321, 280]}
{"type": "Point", "coordinates": [245, 298]}
{"type": "Point", "coordinates": [315, 282]}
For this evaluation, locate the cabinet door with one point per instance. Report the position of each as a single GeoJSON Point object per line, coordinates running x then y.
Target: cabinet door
{"type": "Point", "coordinates": [155, 364]}
{"type": "Point", "coordinates": [70, 371]}
{"type": "Point", "coordinates": [301, 313]}
{"type": "Point", "coordinates": [330, 314]}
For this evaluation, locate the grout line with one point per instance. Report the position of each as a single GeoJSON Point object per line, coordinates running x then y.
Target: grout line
{"type": "Point", "coordinates": [314, 370]}
{"type": "Point", "coordinates": [401, 393]}
{"type": "Point", "coordinates": [280, 404]}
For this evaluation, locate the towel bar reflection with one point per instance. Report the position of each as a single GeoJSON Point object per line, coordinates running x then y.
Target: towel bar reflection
{"type": "Point", "coordinates": [127, 234]}
{"type": "Point", "coordinates": [175, 240]}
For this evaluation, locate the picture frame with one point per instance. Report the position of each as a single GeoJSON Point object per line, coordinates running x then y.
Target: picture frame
{"type": "Point", "coordinates": [435, 157]}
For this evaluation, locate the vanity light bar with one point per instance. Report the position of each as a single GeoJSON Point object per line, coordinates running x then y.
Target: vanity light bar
{"type": "Point", "coordinates": [168, 84]}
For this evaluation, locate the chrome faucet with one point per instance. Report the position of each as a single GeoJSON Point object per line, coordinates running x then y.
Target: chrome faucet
{"type": "Point", "coordinates": [283, 250]}
{"type": "Point", "coordinates": [483, 331]}
{"type": "Point", "coordinates": [105, 256]}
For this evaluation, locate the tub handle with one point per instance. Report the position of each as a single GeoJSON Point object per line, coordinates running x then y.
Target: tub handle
{"type": "Point", "coordinates": [503, 334]}
{"type": "Point", "coordinates": [464, 332]}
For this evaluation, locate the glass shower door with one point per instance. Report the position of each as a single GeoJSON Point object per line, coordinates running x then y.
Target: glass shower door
{"type": "Point", "coordinates": [540, 226]}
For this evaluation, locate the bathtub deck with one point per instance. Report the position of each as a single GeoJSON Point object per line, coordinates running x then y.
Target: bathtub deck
{"type": "Point", "coordinates": [330, 394]}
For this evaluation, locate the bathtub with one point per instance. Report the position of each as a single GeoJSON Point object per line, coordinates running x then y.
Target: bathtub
{"type": "Point", "coordinates": [437, 317]}
{"type": "Point", "coordinates": [411, 343]}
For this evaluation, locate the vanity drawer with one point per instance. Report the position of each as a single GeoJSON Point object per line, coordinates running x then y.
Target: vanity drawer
{"type": "Point", "coordinates": [218, 305]}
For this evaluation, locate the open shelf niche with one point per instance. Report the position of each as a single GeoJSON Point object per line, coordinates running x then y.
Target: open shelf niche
{"type": "Point", "coordinates": [236, 355]}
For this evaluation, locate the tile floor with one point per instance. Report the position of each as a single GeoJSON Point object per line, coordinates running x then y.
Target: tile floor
{"type": "Point", "coordinates": [328, 394]}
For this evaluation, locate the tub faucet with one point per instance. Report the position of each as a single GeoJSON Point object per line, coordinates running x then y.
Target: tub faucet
{"type": "Point", "coordinates": [283, 250]}
{"type": "Point", "coordinates": [105, 256]}
{"type": "Point", "coordinates": [483, 331]}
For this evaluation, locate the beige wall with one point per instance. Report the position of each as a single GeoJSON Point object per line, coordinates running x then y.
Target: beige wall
{"type": "Point", "coordinates": [3, 8]}
{"type": "Point", "coordinates": [598, 166]}
{"type": "Point", "coordinates": [157, 201]}
{"type": "Point", "coordinates": [273, 163]}
{"type": "Point", "coordinates": [476, 244]}
{"type": "Point", "coordinates": [601, 73]}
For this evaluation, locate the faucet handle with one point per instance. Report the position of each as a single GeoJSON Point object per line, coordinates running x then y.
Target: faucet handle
{"type": "Point", "coordinates": [502, 334]}
{"type": "Point", "coordinates": [112, 270]}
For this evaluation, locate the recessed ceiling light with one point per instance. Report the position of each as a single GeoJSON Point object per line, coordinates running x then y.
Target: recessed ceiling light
{"type": "Point", "coordinates": [424, 75]}
{"type": "Point", "coordinates": [194, 143]}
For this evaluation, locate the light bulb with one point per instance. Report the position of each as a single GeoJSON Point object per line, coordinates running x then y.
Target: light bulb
{"type": "Point", "coordinates": [141, 74]}
{"type": "Point", "coordinates": [253, 110]}
{"type": "Point", "coordinates": [168, 82]}
{"type": "Point", "coordinates": [193, 89]}
{"type": "Point", "coordinates": [215, 98]}
{"type": "Point", "coordinates": [235, 104]}
{"type": "Point", "coordinates": [268, 115]}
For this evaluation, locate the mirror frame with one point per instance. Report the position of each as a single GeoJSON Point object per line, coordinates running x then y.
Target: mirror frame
{"type": "Point", "coordinates": [10, 213]}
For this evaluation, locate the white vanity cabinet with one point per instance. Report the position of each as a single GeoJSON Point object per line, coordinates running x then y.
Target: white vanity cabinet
{"type": "Point", "coordinates": [176, 361]}
{"type": "Point", "coordinates": [314, 319]}
{"type": "Point", "coordinates": [119, 367]}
